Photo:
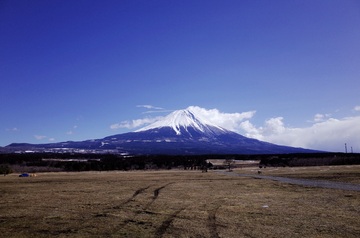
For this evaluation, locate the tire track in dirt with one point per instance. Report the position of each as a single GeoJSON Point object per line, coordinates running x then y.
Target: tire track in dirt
{"type": "Point", "coordinates": [157, 191]}
{"type": "Point", "coordinates": [131, 219]}
{"type": "Point", "coordinates": [211, 222]}
{"type": "Point", "coordinates": [156, 194]}
{"type": "Point", "coordinates": [160, 231]}
{"type": "Point", "coordinates": [136, 193]}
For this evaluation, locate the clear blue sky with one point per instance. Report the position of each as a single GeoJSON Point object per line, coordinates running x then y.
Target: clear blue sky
{"type": "Point", "coordinates": [71, 69]}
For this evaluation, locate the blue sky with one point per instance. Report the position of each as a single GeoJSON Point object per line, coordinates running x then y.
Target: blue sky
{"type": "Point", "coordinates": [71, 70]}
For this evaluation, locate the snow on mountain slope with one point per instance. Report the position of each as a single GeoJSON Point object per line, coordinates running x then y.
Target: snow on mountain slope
{"type": "Point", "coordinates": [182, 132]}
{"type": "Point", "coordinates": [181, 120]}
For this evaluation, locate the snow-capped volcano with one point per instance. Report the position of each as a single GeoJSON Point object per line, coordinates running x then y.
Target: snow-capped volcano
{"type": "Point", "coordinates": [181, 120]}
{"type": "Point", "coordinates": [181, 132]}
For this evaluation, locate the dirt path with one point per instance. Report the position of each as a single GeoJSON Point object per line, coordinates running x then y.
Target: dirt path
{"type": "Point", "coordinates": [304, 182]}
{"type": "Point", "coordinates": [160, 231]}
{"type": "Point", "coordinates": [212, 222]}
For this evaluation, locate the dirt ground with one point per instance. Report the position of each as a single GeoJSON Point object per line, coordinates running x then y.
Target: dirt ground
{"type": "Point", "coordinates": [174, 204]}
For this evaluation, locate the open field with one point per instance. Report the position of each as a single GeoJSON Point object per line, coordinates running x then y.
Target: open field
{"type": "Point", "coordinates": [176, 204]}
{"type": "Point", "coordinates": [345, 173]}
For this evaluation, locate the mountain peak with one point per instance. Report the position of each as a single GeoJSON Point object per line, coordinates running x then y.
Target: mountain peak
{"type": "Point", "coordinates": [181, 120]}
{"type": "Point", "coordinates": [186, 131]}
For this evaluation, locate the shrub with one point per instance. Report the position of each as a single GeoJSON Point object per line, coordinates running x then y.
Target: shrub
{"type": "Point", "coordinates": [5, 169]}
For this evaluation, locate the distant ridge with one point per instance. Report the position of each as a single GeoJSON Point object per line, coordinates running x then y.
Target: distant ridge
{"type": "Point", "coordinates": [180, 132]}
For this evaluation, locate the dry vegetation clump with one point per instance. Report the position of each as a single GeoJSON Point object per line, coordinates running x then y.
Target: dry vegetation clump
{"type": "Point", "coordinates": [171, 204]}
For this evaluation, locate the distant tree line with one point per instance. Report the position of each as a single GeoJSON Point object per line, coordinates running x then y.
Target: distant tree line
{"type": "Point", "coordinates": [37, 162]}
{"type": "Point", "coordinates": [34, 162]}
{"type": "Point", "coordinates": [316, 159]}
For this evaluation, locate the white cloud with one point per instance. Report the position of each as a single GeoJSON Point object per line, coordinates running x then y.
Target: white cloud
{"type": "Point", "coordinates": [328, 135]}
{"type": "Point", "coordinates": [325, 133]}
{"type": "Point", "coordinates": [274, 126]}
{"type": "Point", "coordinates": [39, 137]}
{"type": "Point", "coordinates": [357, 108]}
{"type": "Point", "coordinates": [42, 137]}
{"type": "Point", "coordinates": [150, 107]}
{"type": "Point", "coordinates": [230, 121]}
{"type": "Point", "coordinates": [154, 109]}
{"type": "Point", "coordinates": [71, 132]}
{"type": "Point", "coordinates": [321, 117]}
{"type": "Point", "coordinates": [157, 111]}
{"type": "Point", "coordinates": [134, 123]}
{"type": "Point", "coordinates": [249, 130]}
{"type": "Point", "coordinates": [14, 129]}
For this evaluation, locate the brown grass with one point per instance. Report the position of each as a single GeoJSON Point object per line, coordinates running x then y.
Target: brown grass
{"type": "Point", "coordinates": [345, 173]}
{"type": "Point", "coordinates": [171, 204]}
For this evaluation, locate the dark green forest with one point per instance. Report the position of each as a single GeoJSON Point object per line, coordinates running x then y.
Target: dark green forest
{"type": "Point", "coordinates": [42, 162]}
{"type": "Point", "coordinates": [35, 162]}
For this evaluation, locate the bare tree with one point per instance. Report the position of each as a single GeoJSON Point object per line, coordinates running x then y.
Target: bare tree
{"type": "Point", "coordinates": [229, 162]}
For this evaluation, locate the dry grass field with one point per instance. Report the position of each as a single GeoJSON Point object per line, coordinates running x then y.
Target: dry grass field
{"type": "Point", "coordinates": [177, 204]}
{"type": "Point", "coordinates": [347, 174]}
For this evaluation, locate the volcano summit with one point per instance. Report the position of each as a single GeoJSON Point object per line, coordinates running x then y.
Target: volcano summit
{"type": "Point", "coordinates": [181, 132]}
